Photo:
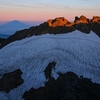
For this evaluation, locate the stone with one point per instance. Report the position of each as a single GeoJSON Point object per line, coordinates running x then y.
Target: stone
{"type": "Point", "coordinates": [11, 80]}
{"type": "Point", "coordinates": [82, 19]}
{"type": "Point", "coordinates": [96, 19]}
{"type": "Point", "coordinates": [60, 21]}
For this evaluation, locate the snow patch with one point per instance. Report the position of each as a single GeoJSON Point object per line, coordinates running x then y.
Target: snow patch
{"type": "Point", "coordinates": [77, 52]}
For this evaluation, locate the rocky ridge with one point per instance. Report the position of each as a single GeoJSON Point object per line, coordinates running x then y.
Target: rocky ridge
{"type": "Point", "coordinates": [58, 26]}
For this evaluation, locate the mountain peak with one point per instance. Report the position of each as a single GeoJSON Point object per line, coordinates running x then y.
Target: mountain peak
{"type": "Point", "coordinates": [15, 24]}
{"type": "Point", "coordinates": [96, 19]}
{"type": "Point", "coordinates": [15, 21]}
{"type": "Point", "coordinates": [59, 21]}
{"type": "Point", "coordinates": [82, 19]}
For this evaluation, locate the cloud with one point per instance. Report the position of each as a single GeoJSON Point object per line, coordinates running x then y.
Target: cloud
{"type": "Point", "coordinates": [34, 4]}
{"type": "Point", "coordinates": [23, 3]}
{"type": "Point", "coordinates": [26, 6]}
{"type": "Point", "coordinates": [87, 0]}
{"type": "Point", "coordinates": [67, 7]}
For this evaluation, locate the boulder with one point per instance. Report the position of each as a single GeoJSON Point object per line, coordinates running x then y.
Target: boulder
{"type": "Point", "coordinates": [60, 21]}
{"type": "Point", "coordinates": [82, 19]}
{"type": "Point", "coordinates": [96, 19]}
{"type": "Point", "coordinates": [11, 80]}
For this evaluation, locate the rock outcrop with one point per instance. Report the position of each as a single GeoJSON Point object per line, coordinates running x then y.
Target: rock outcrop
{"type": "Point", "coordinates": [11, 80]}
{"type": "Point", "coordinates": [61, 21]}
{"type": "Point", "coordinates": [96, 19]}
{"type": "Point", "coordinates": [82, 19]}
{"type": "Point", "coordinates": [58, 26]}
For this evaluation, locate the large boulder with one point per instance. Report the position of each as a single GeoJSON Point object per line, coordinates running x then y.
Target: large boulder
{"type": "Point", "coordinates": [82, 19]}
{"type": "Point", "coordinates": [11, 80]}
{"type": "Point", "coordinates": [61, 21]}
{"type": "Point", "coordinates": [96, 19]}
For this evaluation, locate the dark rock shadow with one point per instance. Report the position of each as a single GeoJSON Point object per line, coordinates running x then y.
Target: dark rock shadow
{"type": "Point", "coordinates": [11, 80]}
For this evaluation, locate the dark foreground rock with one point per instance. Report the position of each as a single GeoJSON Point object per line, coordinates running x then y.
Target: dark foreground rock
{"type": "Point", "coordinates": [58, 26]}
{"type": "Point", "coordinates": [11, 80]}
{"type": "Point", "coordinates": [1, 40]}
{"type": "Point", "coordinates": [48, 69]}
{"type": "Point", "coordinates": [67, 87]}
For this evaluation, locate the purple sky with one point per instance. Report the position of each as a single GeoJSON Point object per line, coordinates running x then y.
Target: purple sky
{"type": "Point", "coordinates": [39, 10]}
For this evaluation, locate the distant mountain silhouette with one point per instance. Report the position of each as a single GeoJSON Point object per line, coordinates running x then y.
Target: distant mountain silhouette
{"type": "Point", "coordinates": [13, 26]}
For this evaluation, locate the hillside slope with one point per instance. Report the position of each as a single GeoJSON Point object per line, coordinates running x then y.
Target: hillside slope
{"type": "Point", "coordinates": [30, 57]}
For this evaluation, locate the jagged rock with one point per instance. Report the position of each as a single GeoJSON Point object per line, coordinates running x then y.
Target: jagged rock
{"type": "Point", "coordinates": [61, 21]}
{"type": "Point", "coordinates": [49, 22]}
{"type": "Point", "coordinates": [76, 18]}
{"type": "Point", "coordinates": [70, 24]}
{"type": "Point", "coordinates": [1, 40]}
{"type": "Point", "coordinates": [82, 19]}
{"type": "Point", "coordinates": [86, 28]}
{"type": "Point", "coordinates": [11, 80]}
{"type": "Point", "coordinates": [96, 19]}
{"type": "Point", "coordinates": [49, 68]}
{"type": "Point", "coordinates": [67, 87]}
{"type": "Point", "coordinates": [82, 24]}
{"type": "Point", "coordinates": [96, 28]}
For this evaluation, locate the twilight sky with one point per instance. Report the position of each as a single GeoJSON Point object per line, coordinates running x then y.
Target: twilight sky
{"type": "Point", "coordinates": [36, 10]}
